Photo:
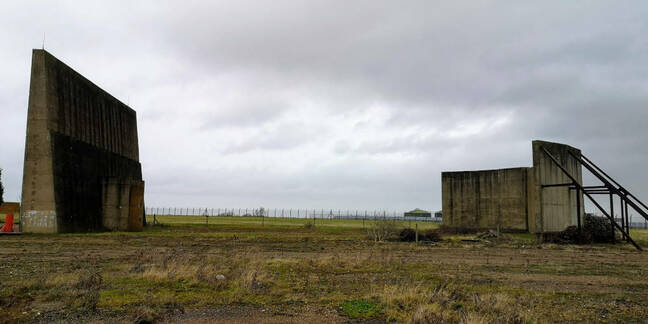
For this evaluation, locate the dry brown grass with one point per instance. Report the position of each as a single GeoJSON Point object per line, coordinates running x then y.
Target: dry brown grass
{"type": "Point", "coordinates": [157, 275]}
{"type": "Point", "coordinates": [444, 304]}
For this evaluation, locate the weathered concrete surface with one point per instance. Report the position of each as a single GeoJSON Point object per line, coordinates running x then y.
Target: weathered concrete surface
{"type": "Point", "coordinates": [513, 199]}
{"type": "Point", "coordinates": [77, 137]}
{"type": "Point", "coordinates": [123, 204]}
{"type": "Point", "coordinates": [486, 199]}
{"type": "Point", "coordinates": [555, 208]}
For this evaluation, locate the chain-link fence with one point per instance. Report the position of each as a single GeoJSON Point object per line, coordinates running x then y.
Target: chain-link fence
{"type": "Point", "coordinates": [320, 213]}
{"type": "Point", "coordinates": [291, 213]}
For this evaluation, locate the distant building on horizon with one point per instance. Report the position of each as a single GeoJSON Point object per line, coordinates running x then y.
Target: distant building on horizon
{"type": "Point", "coordinates": [418, 213]}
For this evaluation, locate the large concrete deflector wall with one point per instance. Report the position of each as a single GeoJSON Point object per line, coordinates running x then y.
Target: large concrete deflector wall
{"type": "Point", "coordinates": [79, 138]}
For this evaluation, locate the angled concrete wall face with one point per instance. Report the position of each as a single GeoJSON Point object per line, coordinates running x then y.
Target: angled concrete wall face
{"type": "Point", "coordinates": [486, 199]}
{"type": "Point", "coordinates": [79, 138]}
{"type": "Point", "coordinates": [515, 199]}
{"type": "Point", "coordinates": [555, 207]}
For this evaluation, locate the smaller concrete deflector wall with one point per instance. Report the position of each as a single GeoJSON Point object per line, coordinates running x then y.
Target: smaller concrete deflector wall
{"type": "Point", "coordinates": [514, 199]}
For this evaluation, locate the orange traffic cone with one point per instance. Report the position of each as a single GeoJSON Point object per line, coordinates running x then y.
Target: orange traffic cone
{"type": "Point", "coordinates": [9, 224]}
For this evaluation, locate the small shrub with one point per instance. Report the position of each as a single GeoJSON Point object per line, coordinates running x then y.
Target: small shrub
{"type": "Point", "coordinates": [383, 230]}
{"type": "Point", "coordinates": [407, 235]}
{"type": "Point", "coordinates": [595, 230]}
{"type": "Point", "coordinates": [600, 229]}
{"type": "Point", "coordinates": [430, 235]}
{"type": "Point", "coordinates": [457, 230]}
{"type": "Point", "coordinates": [573, 235]}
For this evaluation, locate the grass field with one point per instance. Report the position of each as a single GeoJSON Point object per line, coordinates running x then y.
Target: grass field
{"type": "Point", "coordinates": [284, 270]}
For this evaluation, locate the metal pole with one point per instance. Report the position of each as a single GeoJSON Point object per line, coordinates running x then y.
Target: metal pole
{"type": "Point", "coordinates": [628, 217]}
{"type": "Point", "coordinates": [612, 213]}
{"type": "Point", "coordinates": [578, 212]}
{"type": "Point", "coordinates": [623, 220]}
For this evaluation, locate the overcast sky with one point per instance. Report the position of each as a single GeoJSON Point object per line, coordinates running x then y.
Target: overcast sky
{"type": "Point", "coordinates": [342, 104]}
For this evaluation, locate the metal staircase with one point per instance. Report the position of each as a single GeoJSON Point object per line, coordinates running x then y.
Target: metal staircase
{"type": "Point", "coordinates": [610, 187]}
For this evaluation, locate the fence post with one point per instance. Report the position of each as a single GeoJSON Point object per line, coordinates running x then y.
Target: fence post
{"type": "Point", "coordinates": [417, 233]}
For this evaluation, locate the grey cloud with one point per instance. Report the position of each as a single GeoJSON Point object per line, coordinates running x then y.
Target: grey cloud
{"type": "Point", "coordinates": [332, 103]}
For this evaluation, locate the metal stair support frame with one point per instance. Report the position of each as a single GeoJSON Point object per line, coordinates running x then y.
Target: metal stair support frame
{"type": "Point", "coordinates": [609, 186]}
